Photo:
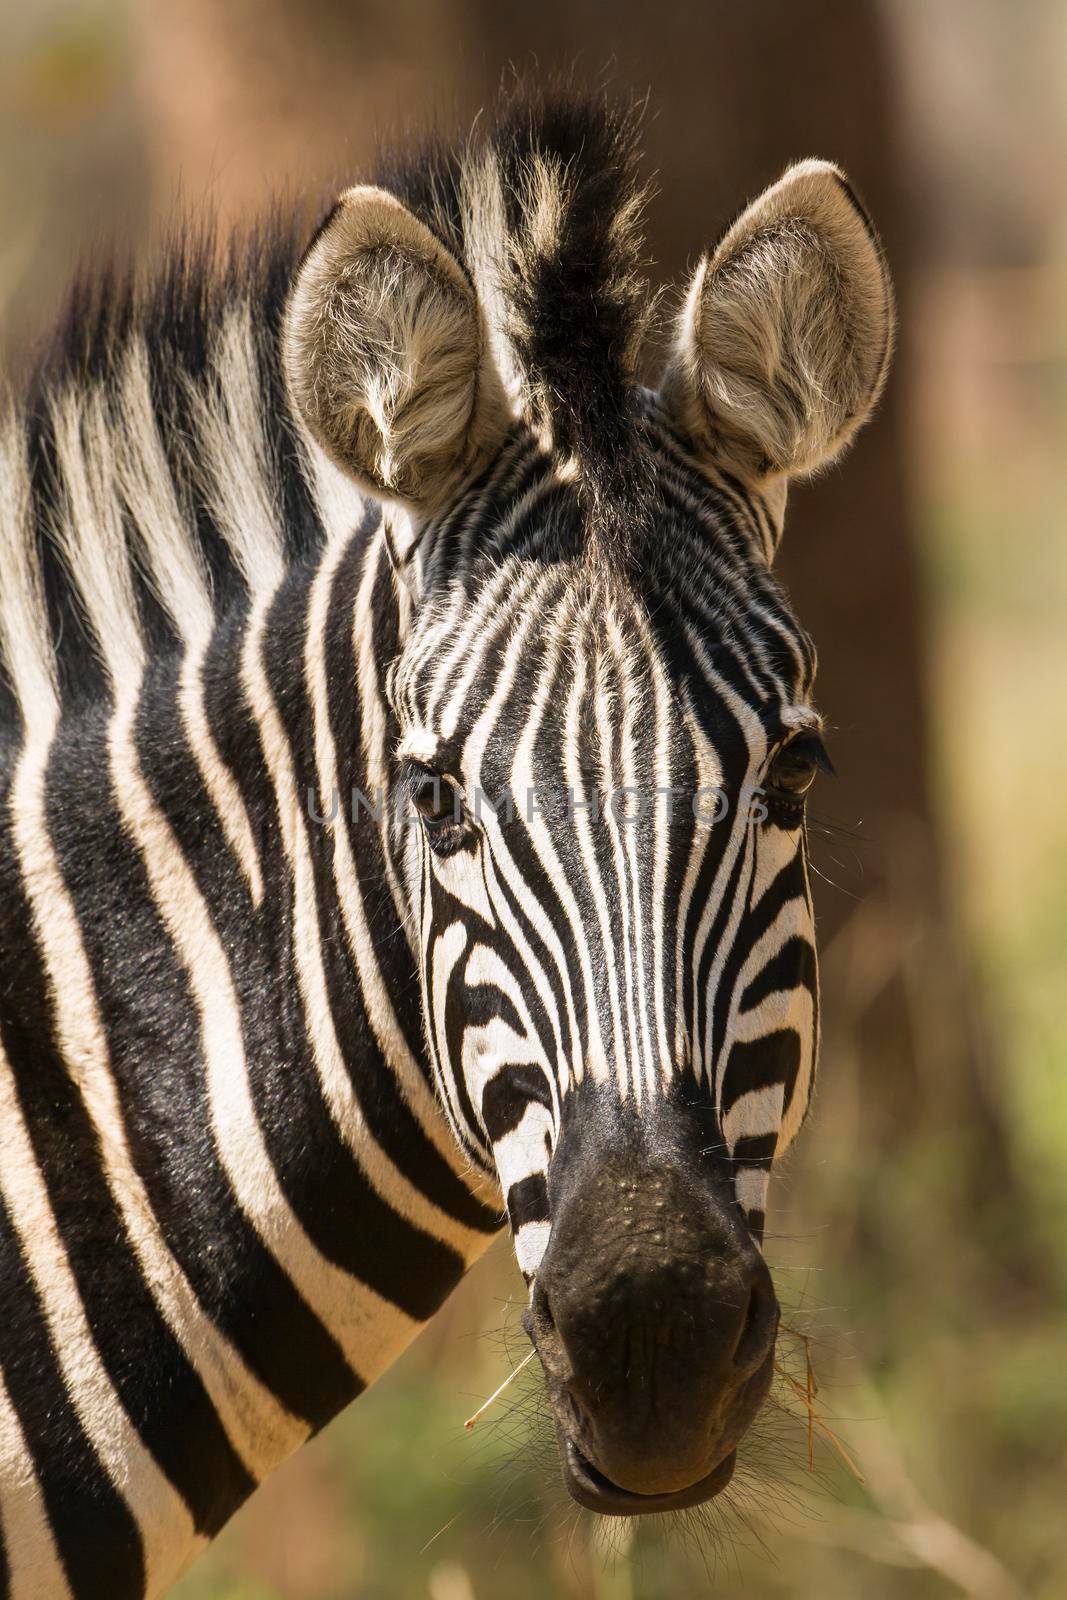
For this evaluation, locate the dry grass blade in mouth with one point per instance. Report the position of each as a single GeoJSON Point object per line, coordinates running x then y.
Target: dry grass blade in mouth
{"type": "Point", "coordinates": [482, 1409]}
{"type": "Point", "coordinates": [806, 1393]}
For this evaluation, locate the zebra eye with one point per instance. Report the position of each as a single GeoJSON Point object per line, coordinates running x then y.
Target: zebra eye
{"type": "Point", "coordinates": [794, 768]}
{"type": "Point", "coordinates": [435, 798]}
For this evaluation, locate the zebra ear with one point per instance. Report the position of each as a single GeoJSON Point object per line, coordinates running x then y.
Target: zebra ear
{"type": "Point", "coordinates": [385, 353]}
{"type": "Point", "coordinates": [784, 343]}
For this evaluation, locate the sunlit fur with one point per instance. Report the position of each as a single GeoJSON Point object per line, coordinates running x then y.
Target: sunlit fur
{"type": "Point", "coordinates": [240, 1163]}
{"type": "Point", "coordinates": [787, 332]}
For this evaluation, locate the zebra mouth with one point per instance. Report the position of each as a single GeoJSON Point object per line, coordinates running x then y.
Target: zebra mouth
{"type": "Point", "coordinates": [590, 1488]}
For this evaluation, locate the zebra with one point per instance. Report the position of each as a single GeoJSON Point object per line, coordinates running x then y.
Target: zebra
{"type": "Point", "coordinates": [405, 746]}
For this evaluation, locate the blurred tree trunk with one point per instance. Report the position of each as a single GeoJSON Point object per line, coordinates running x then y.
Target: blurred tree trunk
{"type": "Point", "coordinates": [249, 97]}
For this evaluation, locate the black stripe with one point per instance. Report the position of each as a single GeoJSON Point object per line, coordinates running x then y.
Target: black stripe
{"type": "Point", "coordinates": [289, 468]}
{"type": "Point", "coordinates": [81, 676]}
{"type": "Point", "coordinates": [756, 1150]}
{"type": "Point", "coordinates": [390, 949]}
{"type": "Point", "coordinates": [761, 1064]}
{"type": "Point", "coordinates": [455, 1021]}
{"type": "Point", "coordinates": [507, 1095]}
{"type": "Point", "coordinates": [528, 1200]}
{"type": "Point", "coordinates": [791, 967]}
{"type": "Point", "coordinates": [716, 933]}
{"type": "Point", "coordinates": [98, 1539]}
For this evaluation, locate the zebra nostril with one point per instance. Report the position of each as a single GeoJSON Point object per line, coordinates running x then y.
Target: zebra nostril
{"type": "Point", "coordinates": [758, 1328]}
{"type": "Point", "coordinates": [543, 1319]}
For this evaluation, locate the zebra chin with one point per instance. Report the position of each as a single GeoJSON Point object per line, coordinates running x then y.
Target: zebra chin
{"type": "Point", "coordinates": [654, 1317]}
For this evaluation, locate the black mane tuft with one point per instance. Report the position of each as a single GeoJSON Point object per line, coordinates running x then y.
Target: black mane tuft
{"type": "Point", "coordinates": [560, 174]}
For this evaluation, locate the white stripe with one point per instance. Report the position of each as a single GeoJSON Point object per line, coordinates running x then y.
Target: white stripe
{"type": "Point", "coordinates": [232, 453]}
{"type": "Point", "coordinates": [25, 647]}
{"type": "Point", "coordinates": [339, 501]}
{"type": "Point", "coordinates": [494, 1044]}
{"type": "Point", "coordinates": [781, 1010]}
{"type": "Point", "coordinates": [486, 234]}
{"type": "Point", "coordinates": [497, 860]}
{"type": "Point", "coordinates": [473, 638]}
{"type": "Point", "coordinates": [740, 841]}
{"type": "Point", "coordinates": [533, 973]}
{"type": "Point", "coordinates": [531, 1242]}
{"type": "Point", "coordinates": [597, 1062]}
{"type": "Point", "coordinates": [485, 966]}
{"type": "Point", "coordinates": [539, 838]}
{"type": "Point", "coordinates": [750, 1187]}
{"type": "Point", "coordinates": [90, 531]}
{"type": "Point", "coordinates": [776, 848]}
{"type": "Point", "coordinates": [176, 569]}
{"type": "Point", "coordinates": [622, 835]}
{"type": "Point", "coordinates": [661, 829]}
{"type": "Point", "coordinates": [523, 1152]}
{"type": "Point", "coordinates": [753, 1115]}
{"type": "Point", "coordinates": [709, 776]}
{"type": "Point", "coordinates": [446, 949]}
{"type": "Point", "coordinates": [715, 1069]}
{"type": "Point", "coordinates": [219, 781]}
{"type": "Point", "coordinates": [172, 555]}
{"type": "Point", "coordinates": [376, 732]}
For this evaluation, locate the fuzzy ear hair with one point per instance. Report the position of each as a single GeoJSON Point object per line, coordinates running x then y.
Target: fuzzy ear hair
{"type": "Point", "coordinates": [385, 353]}
{"type": "Point", "coordinates": [784, 343]}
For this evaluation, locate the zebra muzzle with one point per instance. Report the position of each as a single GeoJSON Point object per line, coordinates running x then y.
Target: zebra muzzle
{"type": "Point", "coordinates": [654, 1316]}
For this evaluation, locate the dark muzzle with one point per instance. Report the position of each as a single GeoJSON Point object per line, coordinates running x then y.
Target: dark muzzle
{"type": "Point", "coordinates": [654, 1317]}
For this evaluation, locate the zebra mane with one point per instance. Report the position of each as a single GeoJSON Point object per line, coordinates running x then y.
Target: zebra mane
{"type": "Point", "coordinates": [152, 469]}
{"type": "Point", "coordinates": [543, 207]}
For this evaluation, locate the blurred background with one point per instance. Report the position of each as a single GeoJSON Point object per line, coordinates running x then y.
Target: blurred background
{"type": "Point", "coordinates": [919, 1232]}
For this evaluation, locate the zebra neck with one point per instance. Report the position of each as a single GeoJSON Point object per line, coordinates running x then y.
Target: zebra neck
{"type": "Point", "coordinates": [225, 1180]}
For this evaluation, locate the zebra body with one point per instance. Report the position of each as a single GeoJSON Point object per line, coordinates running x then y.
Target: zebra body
{"type": "Point", "coordinates": [149, 1156]}
{"type": "Point", "coordinates": [278, 1052]}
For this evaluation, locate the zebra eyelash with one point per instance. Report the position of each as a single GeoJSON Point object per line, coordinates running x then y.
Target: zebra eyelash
{"type": "Point", "coordinates": [437, 800]}
{"type": "Point", "coordinates": [812, 744]}
{"type": "Point", "coordinates": [428, 789]}
{"type": "Point", "coordinates": [786, 804]}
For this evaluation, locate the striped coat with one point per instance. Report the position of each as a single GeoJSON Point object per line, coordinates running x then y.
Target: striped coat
{"type": "Point", "coordinates": [310, 563]}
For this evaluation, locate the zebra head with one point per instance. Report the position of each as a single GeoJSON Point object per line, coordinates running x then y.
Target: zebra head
{"type": "Point", "coordinates": [605, 731]}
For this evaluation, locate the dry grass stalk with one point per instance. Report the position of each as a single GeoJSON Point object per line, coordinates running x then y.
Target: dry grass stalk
{"type": "Point", "coordinates": [806, 1393]}
{"type": "Point", "coordinates": [482, 1409]}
